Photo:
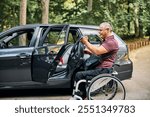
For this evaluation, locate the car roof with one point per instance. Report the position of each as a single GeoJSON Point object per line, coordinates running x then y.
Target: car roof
{"type": "Point", "coordinates": [71, 25]}
{"type": "Point", "coordinates": [28, 26]}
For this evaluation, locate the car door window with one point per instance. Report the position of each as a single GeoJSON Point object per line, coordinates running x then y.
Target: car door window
{"type": "Point", "coordinates": [18, 39]}
{"type": "Point", "coordinates": [94, 39]}
{"type": "Point", "coordinates": [51, 47]}
{"type": "Point", "coordinates": [73, 36]}
{"type": "Point", "coordinates": [54, 39]}
{"type": "Point", "coordinates": [93, 35]}
{"type": "Point", "coordinates": [15, 56]}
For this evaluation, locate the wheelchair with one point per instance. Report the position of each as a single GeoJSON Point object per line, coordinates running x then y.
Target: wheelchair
{"type": "Point", "coordinates": [102, 87]}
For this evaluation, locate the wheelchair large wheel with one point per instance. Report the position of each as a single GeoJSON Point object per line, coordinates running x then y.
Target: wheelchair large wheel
{"type": "Point", "coordinates": [106, 88]}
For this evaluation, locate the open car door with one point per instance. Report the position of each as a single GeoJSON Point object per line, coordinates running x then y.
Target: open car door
{"type": "Point", "coordinates": [47, 56]}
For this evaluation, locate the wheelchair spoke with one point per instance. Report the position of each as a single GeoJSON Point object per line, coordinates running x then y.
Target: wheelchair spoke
{"type": "Point", "coordinates": [106, 88]}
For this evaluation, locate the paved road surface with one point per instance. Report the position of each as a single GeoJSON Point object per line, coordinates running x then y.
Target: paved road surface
{"type": "Point", "coordinates": [137, 88]}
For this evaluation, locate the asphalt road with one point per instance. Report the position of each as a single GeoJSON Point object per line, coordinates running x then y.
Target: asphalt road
{"type": "Point", "coordinates": [138, 87]}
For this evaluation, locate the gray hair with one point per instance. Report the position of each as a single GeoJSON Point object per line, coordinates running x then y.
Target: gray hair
{"type": "Point", "coordinates": [106, 25]}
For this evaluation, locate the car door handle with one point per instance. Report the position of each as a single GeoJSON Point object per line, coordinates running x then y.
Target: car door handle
{"type": "Point", "coordinates": [23, 55]}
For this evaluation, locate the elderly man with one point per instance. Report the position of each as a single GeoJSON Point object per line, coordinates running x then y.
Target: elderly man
{"type": "Point", "coordinates": [109, 46]}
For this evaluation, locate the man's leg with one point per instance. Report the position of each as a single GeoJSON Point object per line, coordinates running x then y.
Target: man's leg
{"type": "Point", "coordinates": [88, 74]}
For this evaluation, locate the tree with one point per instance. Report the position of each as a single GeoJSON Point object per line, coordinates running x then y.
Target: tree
{"type": "Point", "coordinates": [138, 19]}
{"type": "Point", "coordinates": [9, 14]}
{"type": "Point", "coordinates": [23, 8]}
{"type": "Point", "coordinates": [128, 11]}
{"type": "Point", "coordinates": [128, 17]}
{"type": "Point", "coordinates": [90, 2]}
{"type": "Point", "coordinates": [45, 11]}
{"type": "Point", "coordinates": [146, 15]}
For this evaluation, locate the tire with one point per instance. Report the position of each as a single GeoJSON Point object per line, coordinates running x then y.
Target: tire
{"type": "Point", "coordinates": [106, 88]}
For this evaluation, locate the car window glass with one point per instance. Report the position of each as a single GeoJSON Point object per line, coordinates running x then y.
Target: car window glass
{"type": "Point", "coordinates": [94, 39]}
{"type": "Point", "coordinates": [89, 31]}
{"type": "Point", "coordinates": [70, 38]}
{"type": "Point", "coordinates": [73, 36]}
{"type": "Point", "coordinates": [55, 38]}
{"type": "Point", "coordinates": [92, 34]}
{"type": "Point", "coordinates": [18, 39]}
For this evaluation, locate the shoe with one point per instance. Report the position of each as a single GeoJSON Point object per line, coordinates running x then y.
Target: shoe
{"type": "Point", "coordinates": [76, 97]}
{"type": "Point", "coordinates": [73, 98]}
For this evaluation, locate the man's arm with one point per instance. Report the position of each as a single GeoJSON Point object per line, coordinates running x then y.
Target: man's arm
{"type": "Point", "coordinates": [87, 51]}
{"type": "Point", "coordinates": [94, 49]}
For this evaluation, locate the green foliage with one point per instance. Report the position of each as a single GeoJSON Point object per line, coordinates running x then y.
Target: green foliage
{"type": "Point", "coordinates": [120, 13]}
{"type": "Point", "coordinates": [9, 13]}
{"type": "Point", "coordinates": [33, 11]}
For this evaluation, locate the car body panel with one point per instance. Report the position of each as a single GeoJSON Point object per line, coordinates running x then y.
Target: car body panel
{"type": "Point", "coordinates": [17, 63]}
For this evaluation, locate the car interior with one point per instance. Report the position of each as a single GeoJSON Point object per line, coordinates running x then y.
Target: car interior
{"type": "Point", "coordinates": [63, 59]}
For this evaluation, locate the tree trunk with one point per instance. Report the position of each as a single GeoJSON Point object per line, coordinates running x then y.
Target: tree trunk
{"type": "Point", "coordinates": [90, 2]}
{"type": "Point", "coordinates": [140, 20]}
{"type": "Point", "coordinates": [23, 8]}
{"type": "Point", "coordinates": [45, 11]}
{"type": "Point", "coordinates": [128, 22]}
{"type": "Point", "coordinates": [136, 20]}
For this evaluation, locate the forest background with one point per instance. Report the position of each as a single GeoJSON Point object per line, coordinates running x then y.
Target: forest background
{"type": "Point", "coordinates": [130, 18]}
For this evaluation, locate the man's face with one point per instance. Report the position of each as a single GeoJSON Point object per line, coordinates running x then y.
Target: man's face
{"type": "Point", "coordinates": [103, 32]}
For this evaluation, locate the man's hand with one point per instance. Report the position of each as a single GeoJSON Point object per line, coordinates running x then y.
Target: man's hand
{"type": "Point", "coordinates": [87, 51]}
{"type": "Point", "coordinates": [84, 39]}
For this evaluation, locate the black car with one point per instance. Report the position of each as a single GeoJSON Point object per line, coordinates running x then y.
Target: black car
{"type": "Point", "coordinates": [48, 56]}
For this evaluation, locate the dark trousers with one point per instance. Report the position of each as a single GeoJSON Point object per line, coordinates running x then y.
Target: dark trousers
{"type": "Point", "coordinates": [89, 74]}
